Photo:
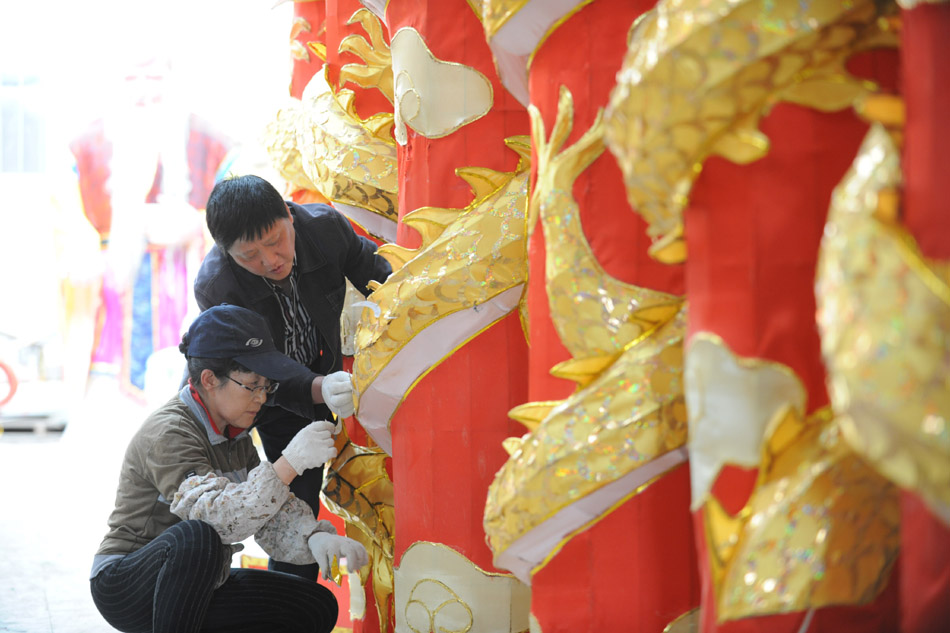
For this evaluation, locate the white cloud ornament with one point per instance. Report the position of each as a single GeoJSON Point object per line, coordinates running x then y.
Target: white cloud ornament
{"type": "Point", "coordinates": [434, 97]}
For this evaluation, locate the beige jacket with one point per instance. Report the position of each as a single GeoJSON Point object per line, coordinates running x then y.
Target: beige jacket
{"type": "Point", "coordinates": [177, 467]}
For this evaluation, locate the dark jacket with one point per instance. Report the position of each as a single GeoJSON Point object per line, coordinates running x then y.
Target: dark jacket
{"type": "Point", "coordinates": [328, 253]}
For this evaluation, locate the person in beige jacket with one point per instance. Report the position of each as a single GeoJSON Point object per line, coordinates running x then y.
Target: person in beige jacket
{"type": "Point", "coordinates": [192, 486]}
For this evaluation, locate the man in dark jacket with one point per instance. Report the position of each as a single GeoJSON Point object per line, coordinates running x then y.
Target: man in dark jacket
{"type": "Point", "coordinates": [289, 263]}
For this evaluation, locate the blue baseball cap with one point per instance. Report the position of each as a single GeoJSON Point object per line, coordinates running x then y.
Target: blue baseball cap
{"type": "Point", "coordinates": [229, 331]}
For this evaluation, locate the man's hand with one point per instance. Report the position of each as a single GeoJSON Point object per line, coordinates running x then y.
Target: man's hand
{"type": "Point", "coordinates": [337, 392]}
{"type": "Point", "coordinates": [325, 547]}
{"type": "Point", "coordinates": [312, 446]}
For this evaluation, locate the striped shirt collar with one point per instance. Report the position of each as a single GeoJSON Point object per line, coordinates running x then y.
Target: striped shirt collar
{"type": "Point", "coordinates": [300, 336]}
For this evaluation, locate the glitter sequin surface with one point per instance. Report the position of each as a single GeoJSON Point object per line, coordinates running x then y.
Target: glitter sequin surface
{"type": "Point", "coordinates": [820, 528]}
{"type": "Point", "coordinates": [593, 313]}
{"type": "Point", "coordinates": [357, 488]}
{"type": "Point", "coordinates": [630, 414]}
{"type": "Point", "coordinates": [349, 160]}
{"type": "Point", "coordinates": [469, 256]}
{"type": "Point", "coordinates": [884, 316]}
{"type": "Point", "coordinates": [698, 76]}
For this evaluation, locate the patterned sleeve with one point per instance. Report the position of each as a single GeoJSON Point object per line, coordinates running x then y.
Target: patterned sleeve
{"type": "Point", "coordinates": [262, 506]}
{"type": "Point", "coordinates": [235, 510]}
{"type": "Point", "coordinates": [285, 536]}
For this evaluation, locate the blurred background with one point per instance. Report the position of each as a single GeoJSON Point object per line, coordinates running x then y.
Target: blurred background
{"type": "Point", "coordinates": [117, 104]}
{"type": "Point", "coordinates": [116, 118]}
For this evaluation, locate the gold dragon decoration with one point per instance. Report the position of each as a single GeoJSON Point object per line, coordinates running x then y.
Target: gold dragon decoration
{"type": "Point", "coordinates": [320, 144]}
{"type": "Point", "coordinates": [468, 273]}
{"type": "Point", "coordinates": [626, 424]}
{"type": "Point", "coordinates": [884, 315]}
{"type": "Point", "coordinates": [820, 527]}
{"type": "Point", "coordinates": [697, 79]}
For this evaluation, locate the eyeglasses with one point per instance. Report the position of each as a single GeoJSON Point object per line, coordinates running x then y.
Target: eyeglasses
{"type": "Point", "coordinates": [265, 389]}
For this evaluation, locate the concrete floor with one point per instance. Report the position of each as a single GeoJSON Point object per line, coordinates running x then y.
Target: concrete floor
{"type": "Point", "coordinates": [56, 492]}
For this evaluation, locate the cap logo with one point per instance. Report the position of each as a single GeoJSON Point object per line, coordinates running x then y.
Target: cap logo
{"type": "Point", "coordinates": [254, 342]}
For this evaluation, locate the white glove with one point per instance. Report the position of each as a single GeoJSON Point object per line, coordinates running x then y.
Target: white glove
{"type": "Point", "coordinates": [326, 546]}
{"type": "Point", "coordinates": [337, 392]}
{"type": "Point", "coordinates": [312, 446]}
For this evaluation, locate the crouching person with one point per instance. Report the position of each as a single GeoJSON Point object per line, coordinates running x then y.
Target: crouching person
{"type": "Point", "coordinates": [192, 485]}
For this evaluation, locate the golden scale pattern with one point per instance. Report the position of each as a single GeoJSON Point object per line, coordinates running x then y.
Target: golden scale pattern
{"type": "Point", "coordinates": [627, 344]}
{"type": "Point", "coordinates": [280, 140]}
{"type": "Point", "coordinates": [357, 488]}
{"type": "Point", "coordinates": [698, 77]}
{"type": "Point", "coordinates": [468, 256]}
{"type": "Point", "coordinates": [820, 527]}
{"type": "Point", "coordinates": [322, 145]}
{"type": "Point", "coordinates": [884, 315]}
{"type": "Point", "coordinates": [696, 81]}
{"type": "Point", "coordinates": [349, 159]}
{"type": "Point", "coordinates": [593, 313]}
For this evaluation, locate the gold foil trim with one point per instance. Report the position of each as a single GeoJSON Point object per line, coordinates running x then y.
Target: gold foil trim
{"type": "Point", "coordinates": [685, 623]}
{"type": "Point", "coordinates": [350, 160]}
{"type": "Point", "coordinates": [357, 488]}
{"type": "Point", "coordinates": [821, 527]}
{"type": "Point", "coordinates": [468, 258]}
{"type": "Point", "coordinates": [699, 75]}
{"type": "Point", "coordinates": [884, 316]}
{"type": "Point", "coordinates": [495, 13]}
{"type": "Point", "coordinates": [593, 313]}
{"type": "Point", "coordinates": [376, 71]}
{"type": "Point", "coordinates": [620, 501]}
{"type": "Point", "coordinates": [561, 21]}
{"type": "Point", "coordinates": [622, 420]}
{"type": "Point", "coordinates": [280, 140]}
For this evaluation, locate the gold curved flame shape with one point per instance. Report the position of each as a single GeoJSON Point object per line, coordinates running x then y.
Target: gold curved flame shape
{"type": "Point", "coordinates": [698, 77]}
{"type": "Point", "coordinates": [376, 71]}
{"type": "Point", "coordinates": [887, 362]}
{"type": "Point", "coordinates": [469, 258]}
{"type": "Point", "coordinates": [357, 488]}
{"type": "Point", "coordinates": [820, 528]}
{"type": "Point", "coordinates": [626, 424]}
{"type": "Point", "coordinates": [594, 314]}
{"type": "Point", "coordinates": [349, 160]}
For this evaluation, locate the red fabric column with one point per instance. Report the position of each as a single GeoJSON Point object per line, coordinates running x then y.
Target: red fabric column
{"type": "Point", "coordinates": [447, 434]}
{"type": "Point", "coordinates": [925, 84]}
{"type": "Point", "coordinates": [327, 26]}
{"type": "Point", "coordinates": [925, 46]}
{"type": "Point", "coordinates": [368, 101]}
{"type": "Point", "coordinates": [624, 574]}
{"type": "Point", "coordinates": [635, 569]}
{"type": "Point", "coordinates": [753, 234]}
{"type": "Point", "coordinates": [304, 67]}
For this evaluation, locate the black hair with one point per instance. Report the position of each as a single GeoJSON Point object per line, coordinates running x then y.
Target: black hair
{"type": "Point", "coordinates": [242, 208]}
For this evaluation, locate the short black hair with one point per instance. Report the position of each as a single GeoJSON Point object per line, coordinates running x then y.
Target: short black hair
{"type": "Point", "coordinates": [243, 208]}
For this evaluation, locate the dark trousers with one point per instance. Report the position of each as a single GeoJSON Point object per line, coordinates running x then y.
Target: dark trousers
{"type": "Point", "coordinates": [168, 586]}
{"type": "Point", "coordinates": [276, 430]}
